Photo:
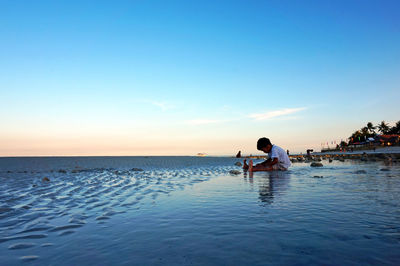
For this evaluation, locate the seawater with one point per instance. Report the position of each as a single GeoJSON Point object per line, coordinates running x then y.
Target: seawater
{"type": "Point", "coordinates": [191, 210]}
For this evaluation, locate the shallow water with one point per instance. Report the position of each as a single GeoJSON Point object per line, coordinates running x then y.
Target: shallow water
{"type": "Point", "coordinates": [191, 210]}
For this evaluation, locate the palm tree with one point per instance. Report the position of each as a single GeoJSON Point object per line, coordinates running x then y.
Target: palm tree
{"type": "Point", "coordinates": [371, 128]}
{"type": "Point", "coordinates": [383, 127]}
{"type": "Point", "coordinates": [395, 129]}
{"type": "Point", "coordinates": [364, 132]}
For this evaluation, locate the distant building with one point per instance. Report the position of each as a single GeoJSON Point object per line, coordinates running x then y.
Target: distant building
{"type": "Point", "coordinates": [388, 140]}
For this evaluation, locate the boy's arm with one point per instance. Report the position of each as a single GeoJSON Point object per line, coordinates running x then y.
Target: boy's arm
{"type": "Point", "coordinates": [271, 162]}
{"type": "Point", "coordinates": [265, 163]}
{"type": "Point", "coordinates": [274, 161]}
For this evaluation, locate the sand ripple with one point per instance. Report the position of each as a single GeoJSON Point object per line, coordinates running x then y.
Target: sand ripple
{"type": "Point", "coordinates": [33, 207]}
{"type": "Point", "coordinates": [21, 245]}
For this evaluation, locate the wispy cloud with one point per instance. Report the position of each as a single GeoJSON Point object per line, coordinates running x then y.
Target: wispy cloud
{"type": "Point", "coordinates": [164, 106]}
{"type": "Point", "coordinates": [276, 113]}
{"type": "Point", "coordinates": [282, 113]}
{"type": "Point", "coordinates": [203, 121]}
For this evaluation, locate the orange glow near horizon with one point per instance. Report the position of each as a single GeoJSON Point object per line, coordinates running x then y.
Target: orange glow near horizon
{"type": "Point", "coordinates": [124, 146]}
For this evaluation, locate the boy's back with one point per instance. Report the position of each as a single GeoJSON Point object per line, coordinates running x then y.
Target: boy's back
{"type": "Point", "coordinates": [283, 158]}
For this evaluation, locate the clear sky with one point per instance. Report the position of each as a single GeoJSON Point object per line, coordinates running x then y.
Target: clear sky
{"type": "Point", "coordinates": [182, 77]}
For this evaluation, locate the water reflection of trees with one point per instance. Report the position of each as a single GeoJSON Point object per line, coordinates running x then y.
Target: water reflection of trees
{"type": "Point", "coordinates": [270, 184]}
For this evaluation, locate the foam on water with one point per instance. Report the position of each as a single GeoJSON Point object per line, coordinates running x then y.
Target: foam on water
{"type": "Point", "coordinates": [183, 210]}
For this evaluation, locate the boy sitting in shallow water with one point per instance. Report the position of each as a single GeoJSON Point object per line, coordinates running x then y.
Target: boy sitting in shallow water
{"type": "Point", "coordinates": [278, 159]}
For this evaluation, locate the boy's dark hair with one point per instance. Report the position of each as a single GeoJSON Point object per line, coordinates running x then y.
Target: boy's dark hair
{"type": "Point", "coordinates": [262, 143]}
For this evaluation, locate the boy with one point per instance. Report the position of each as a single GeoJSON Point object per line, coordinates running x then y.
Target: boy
{"type": "Point", "coordinates": [278, 159]}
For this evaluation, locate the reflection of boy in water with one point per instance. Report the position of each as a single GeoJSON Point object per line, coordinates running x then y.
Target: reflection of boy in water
{"type": "Point", "coordinates": [278, 159]}
{"type": "Point", "coordinates": [272, 184]}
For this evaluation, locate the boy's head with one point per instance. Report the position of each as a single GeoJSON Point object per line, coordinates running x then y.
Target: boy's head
{"type": "Point", "coordinates": [264, 144]}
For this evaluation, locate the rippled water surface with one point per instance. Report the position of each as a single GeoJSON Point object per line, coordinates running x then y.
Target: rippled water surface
{"type": "Point", "coordinates": [191, 210]}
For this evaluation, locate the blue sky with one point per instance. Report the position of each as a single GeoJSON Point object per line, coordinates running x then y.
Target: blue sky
{"type": "Point", "coordinates": [181, 77]}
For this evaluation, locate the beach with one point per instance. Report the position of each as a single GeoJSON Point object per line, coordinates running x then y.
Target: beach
{"type": "Point", "coordinates": [196, 210]}
{"type": "Point", "coordinates": [125, 126]}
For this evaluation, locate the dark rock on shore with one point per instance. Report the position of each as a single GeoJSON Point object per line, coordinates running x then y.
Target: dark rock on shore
{"type": "Point", "coordinates": [360, 172]}
{"type": "Point", "coordinates": [316, 164]}
{"type": "Point", "coordinates": [234, 172]}
{"type": "Point", "coordinates": [76, 171]}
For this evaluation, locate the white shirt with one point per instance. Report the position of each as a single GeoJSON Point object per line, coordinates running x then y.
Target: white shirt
{"type": "Point", "coordinates": [283, 158]}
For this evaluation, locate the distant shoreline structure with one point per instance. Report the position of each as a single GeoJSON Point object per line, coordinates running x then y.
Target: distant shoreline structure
{"type": "Point", "coordinates": [378, 150]}
{"type": "Point", "coordinates": [367, 138]}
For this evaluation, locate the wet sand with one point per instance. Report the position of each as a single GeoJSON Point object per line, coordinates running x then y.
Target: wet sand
{"type": "Point", "coordinates": [196, 211]}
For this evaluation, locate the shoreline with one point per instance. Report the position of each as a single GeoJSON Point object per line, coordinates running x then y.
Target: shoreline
{"type": "Point", "coordinates": [385, 150]}
{"type": "Point", "coordinates": [382, 156]}
{"type": "Point", "coordinates": [385, 154]}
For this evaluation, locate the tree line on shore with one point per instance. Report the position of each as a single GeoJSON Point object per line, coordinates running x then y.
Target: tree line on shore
{"type": "Point", "coordinates": [370, 131]}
